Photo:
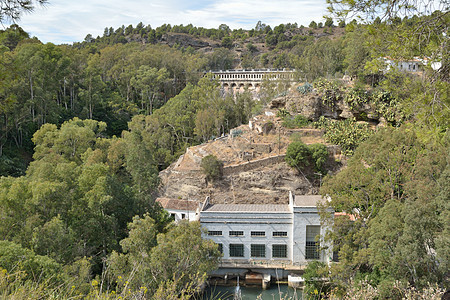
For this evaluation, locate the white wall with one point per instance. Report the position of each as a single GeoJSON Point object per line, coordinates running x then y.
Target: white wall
{"type": "Point", "coordinates": [190, 215]}
{"type": "Point", "coordinates": [293, 223]}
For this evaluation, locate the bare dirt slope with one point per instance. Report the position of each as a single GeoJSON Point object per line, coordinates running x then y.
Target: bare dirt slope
{"type": "Point", "coordinates": [254, 167]}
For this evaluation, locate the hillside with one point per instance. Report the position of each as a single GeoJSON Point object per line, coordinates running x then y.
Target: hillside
{"type": "Point", "coordinates": [254, 169]}
{"type": "Point", "coordinates": [247, 48]}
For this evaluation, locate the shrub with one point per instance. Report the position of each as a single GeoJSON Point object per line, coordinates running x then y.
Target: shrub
{"type": "Point", "coordinates": [298, 121]}
{"type": "Point", "coordinates": [316, 280]}
{"type": "Point", "coordinates": [319, 154]}
{"type": "Point", "coordinates": [212, 168]}
{"type": "Point", "coordinates": [300, 156]}
{"type": "Point", "coordinates": [348, 134]}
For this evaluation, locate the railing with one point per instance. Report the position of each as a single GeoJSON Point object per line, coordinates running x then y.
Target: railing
{"type": "Point", "coordinates": [256, 263]}
{"type": "Point", "coordinates": [251, 70]}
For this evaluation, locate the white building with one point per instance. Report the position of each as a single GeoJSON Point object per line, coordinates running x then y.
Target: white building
{"type": "Point", "coordinates": [180, 209]}
{"type": "Point", "coordinates": [266, 236]}
{"type": "Point", "coordinates": [415, 64]}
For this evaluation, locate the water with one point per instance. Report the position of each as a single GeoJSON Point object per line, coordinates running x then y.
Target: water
{"type": "Point", "coordinates": [252, 293]}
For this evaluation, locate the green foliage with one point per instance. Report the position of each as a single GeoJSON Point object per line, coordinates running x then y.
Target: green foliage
{"type": "Point", "coordinates": [298, 121]}
{"type": "Point", "coordinates": [392, 186]}
{"type": "Point", "coordinates": [14, 258]}
{"type": "Point", "coordinates": [227, 42]}
{"type": "Point", "coordinates": [316, 280]}
{"type": "Point", "coordinates": [283, 113]}
{"type": "Point", "coordinates": [212, 168]}
{"type": "Point", "coordinates": [312, 25]}
{"type": "Point", "coordinates": [301, 156]}
{"type": "Point", "coordinates": [348, 134]}
{"type": "Point", "coordinates": [330, 90]}
{"type": "Point", "coordinates": [319, 155]}
{"type": "Point", "coordinates": [298, 155]}
{"type": "Point", "coordinates": [172, 262]}
{"type": "Point", "coordinates": [355, 98]}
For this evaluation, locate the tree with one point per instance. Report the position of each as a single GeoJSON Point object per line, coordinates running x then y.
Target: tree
{"type": "Point", "coordinates": [212, 167]}
{"type": "Point", "coordinates": [301, 156]}
{"type": "Point", "coordinates": [225, 28]}
{"type": "Point", "coordinates": [423, 34]}
{"type": "Point", "coordinates": [319, 155]}
{"type": "Point", "coordinates": [149, 81]}
{"type": "Point", "coordinates": [391, 9]}
{"type": "Point", "coordinates": [227, 42]}
{"type": "Point", "coordinates": [298, 155]}
{"type": "Point", "coordinates": [391, 187]}
{"type": "Point", "coordinates": [313, 25]}
{"type": "Point", "coordinates": [329, 22]}
{"type": "Point", "coordinates": [12, 36]}
{"type": "Point", "coordinates": [175, 261]}
{"type": "Point", "coordinates": [15, 258]}
{"type": "Point", "coordinates": [12, 10]}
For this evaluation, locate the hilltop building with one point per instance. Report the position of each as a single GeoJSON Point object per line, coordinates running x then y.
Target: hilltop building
{"type": "Point", "coordinates": [238, 80]}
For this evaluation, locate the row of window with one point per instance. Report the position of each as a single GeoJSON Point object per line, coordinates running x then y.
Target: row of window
{"type": "Point", "coordinates": [256, 250]}
{"type": "Point", "coordinates": [312, 250]}
{"type": "Point", "coordinates": [252, 233]}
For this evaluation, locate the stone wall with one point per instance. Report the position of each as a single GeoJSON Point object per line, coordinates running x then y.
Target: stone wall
{"type": "Point", "coordinates": [247, 166]}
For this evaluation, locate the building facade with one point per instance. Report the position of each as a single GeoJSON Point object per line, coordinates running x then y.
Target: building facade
{"type": "Point", "coordinates": [180, 209]}
{"type": "Point", "coordinates": [238, 80]}
{"type": "Point", "coordinates": [267, 236]}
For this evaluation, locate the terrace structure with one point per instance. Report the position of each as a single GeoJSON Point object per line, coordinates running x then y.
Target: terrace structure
{"type": "Point", "coordinates": [240, 79]}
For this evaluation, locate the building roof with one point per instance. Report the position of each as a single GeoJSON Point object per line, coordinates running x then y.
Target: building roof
{"type": "Point", "coordinates": [307, 200]}
{"type": "Point", "coordinates": [247, 208]}
{"type": "Point", "coordinates": [350, 216]}
{"type": "Point", "coordinates": [179, 204]}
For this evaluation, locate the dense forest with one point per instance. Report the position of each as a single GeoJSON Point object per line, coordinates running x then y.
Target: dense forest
{"type": "Point", "coordinates": [85, 129]}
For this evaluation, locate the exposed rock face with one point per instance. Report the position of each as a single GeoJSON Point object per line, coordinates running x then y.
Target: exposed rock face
{"type": "Point", "coordinates": [184, 40]}
{"type": "Point", "coordinates": [312, 107]}
{"type": "Point", "coordinates": [254, 167]}
{"type": "Point", "coordinates": [309, 105]}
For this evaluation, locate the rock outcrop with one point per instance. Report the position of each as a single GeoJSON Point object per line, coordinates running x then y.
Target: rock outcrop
{"type": "Point", "coordinates": [254, 168]}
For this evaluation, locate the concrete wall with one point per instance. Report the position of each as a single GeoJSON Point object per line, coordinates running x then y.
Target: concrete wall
{"type": "Point", "coordinates": [247, 222]}
{"type": "Point", "coordinates": [294, 223]}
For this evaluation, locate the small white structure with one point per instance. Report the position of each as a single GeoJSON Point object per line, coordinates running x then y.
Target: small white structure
{"type": "Point", "coordinates": [180, 209]}
{"type": "Point", "coordinates": [267, 236]}
{"type": "Point", "coordinates": [413, 65]}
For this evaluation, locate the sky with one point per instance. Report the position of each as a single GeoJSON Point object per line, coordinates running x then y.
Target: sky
{"type": "Point", "coordinates": [67, 21]}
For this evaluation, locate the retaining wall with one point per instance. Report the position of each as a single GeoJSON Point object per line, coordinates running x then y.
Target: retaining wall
{"type": "Point", "coordinates": [247, 166]}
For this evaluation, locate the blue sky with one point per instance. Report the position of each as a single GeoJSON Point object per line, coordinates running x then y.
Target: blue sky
{"type": "Point", "coordinates": [67, 21]}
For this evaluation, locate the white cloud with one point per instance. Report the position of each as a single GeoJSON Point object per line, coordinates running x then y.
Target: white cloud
{"type": "Point", "coordinates": [64, 21]}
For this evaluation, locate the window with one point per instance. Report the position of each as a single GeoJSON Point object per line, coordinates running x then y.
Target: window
{"type": "Point", "coordinates": [220, 248]}
{"type": "Point", "coordinates": [312, 248]}
{"type": "Point", "coordinates": [279, 251]}
{"type": "Point", "coordinates": [258, 250]}
{"type": "Point", "coordinates": [258, 233]}
{"type": "Point", "coordinates": [172, 216]}
{"type": "Point", "coordinates": [279, 234]}
{"type": "Point", "coordinates": [214, 233]}
{"type": "Point", "coordinates": [183, 216]}
{"type": "Point", "coordinates": [236, 250]}
{"type": "Point", "coordinates": [236, 233]}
